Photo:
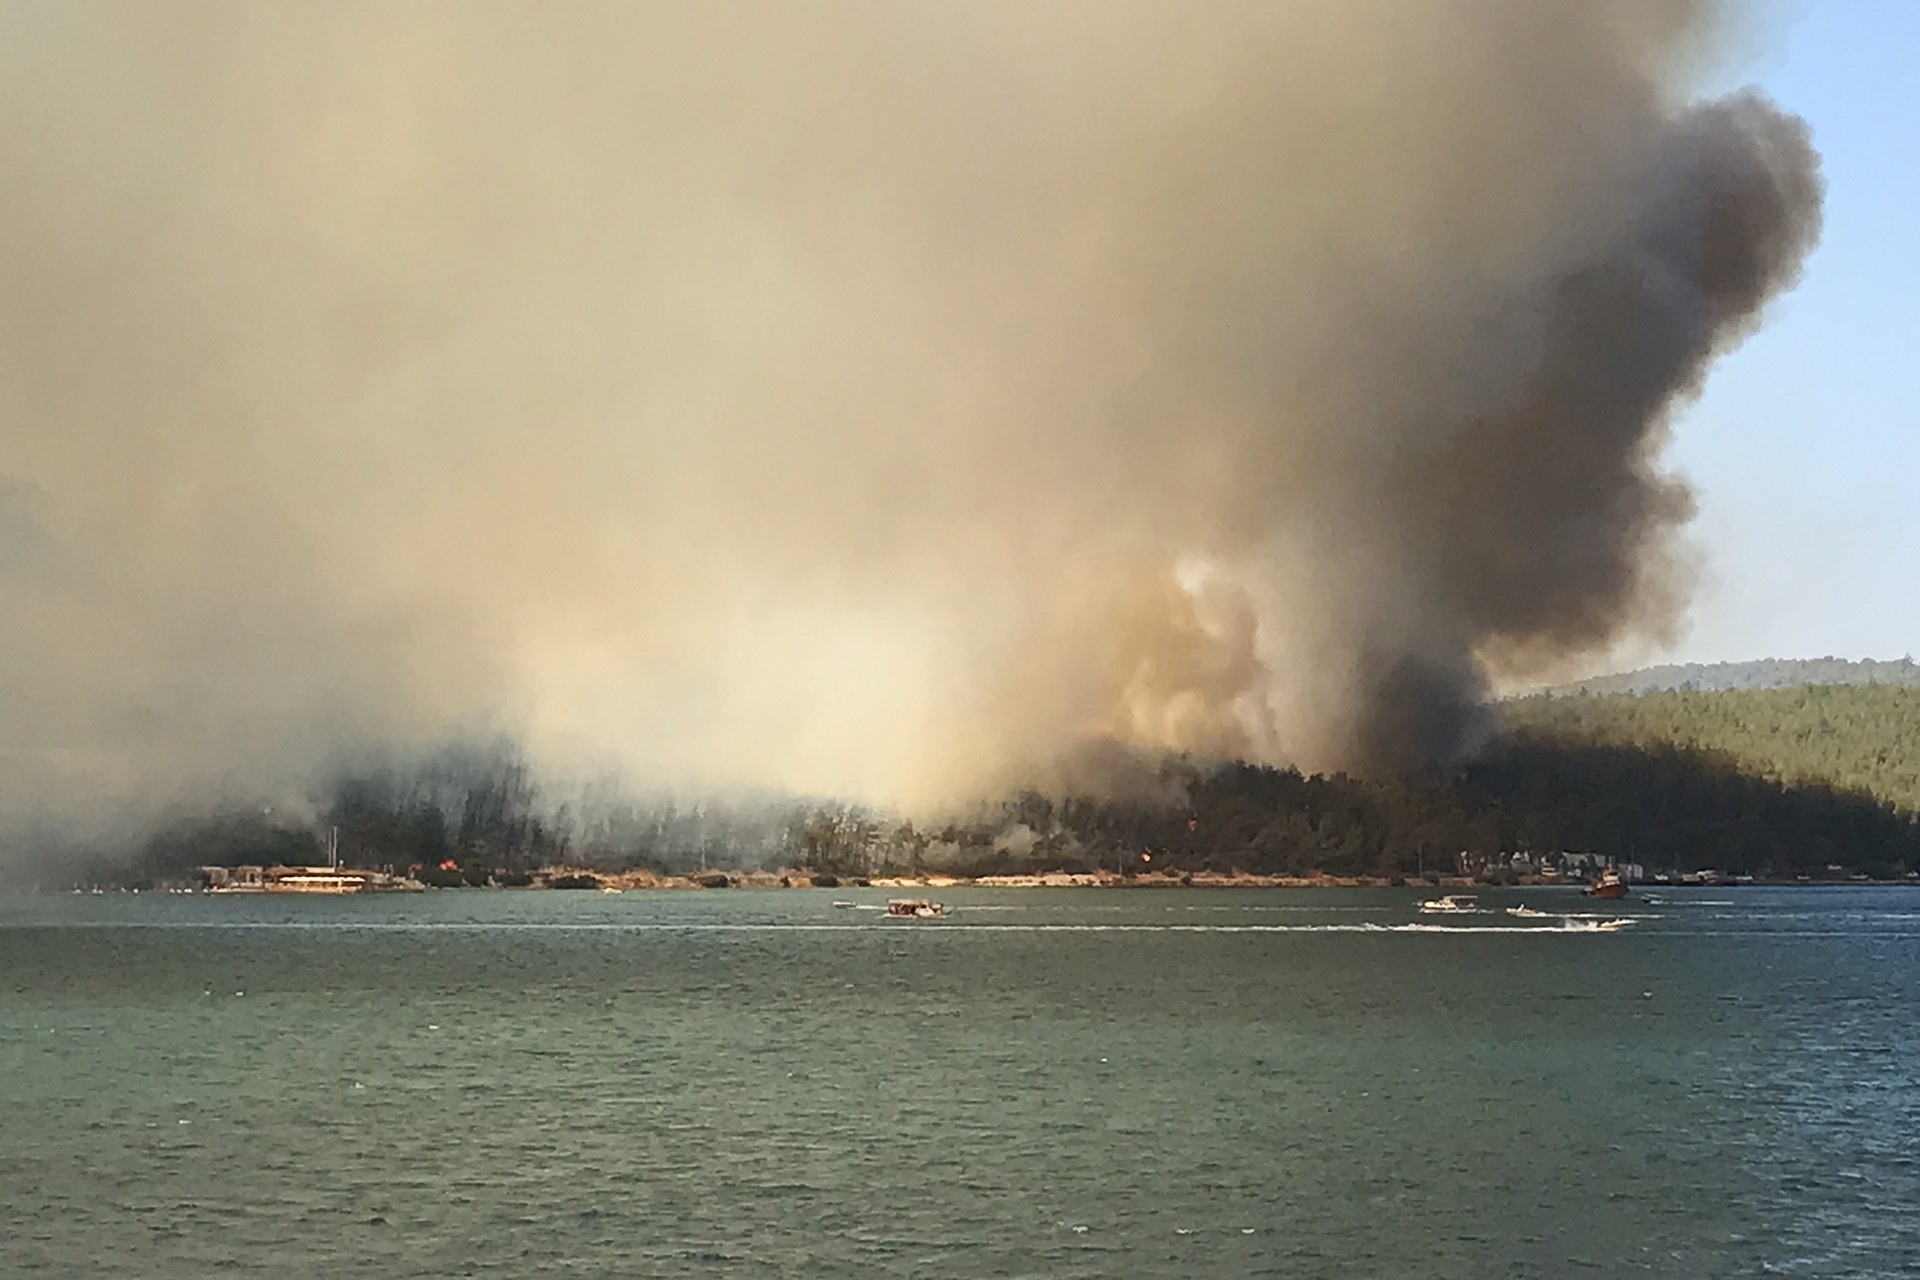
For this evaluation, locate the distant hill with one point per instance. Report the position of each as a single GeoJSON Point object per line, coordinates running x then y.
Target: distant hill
{"type": "Point", "coordinates": [1848, 734]}
{"type": "Point", "coordinates": [1764, 673]}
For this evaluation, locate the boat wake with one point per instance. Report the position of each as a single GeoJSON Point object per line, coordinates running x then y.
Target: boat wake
{"type": "Point", "coordinates": [1565, 926]}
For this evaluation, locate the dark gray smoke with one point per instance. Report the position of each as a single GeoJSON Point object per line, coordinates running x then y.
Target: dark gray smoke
{"type": "Point", "coordinates": [844, 396]}
{"type": "Point", "coordinates": [1532, 522]}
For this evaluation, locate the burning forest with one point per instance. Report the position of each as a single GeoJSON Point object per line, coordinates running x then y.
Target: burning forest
{"type": "Point", "coordinates": [906, 404]}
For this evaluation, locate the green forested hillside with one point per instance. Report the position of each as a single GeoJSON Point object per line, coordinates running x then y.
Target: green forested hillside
{"type": "Point", "coordinates": [1862, 737]}
{"type": "Point", "coordinates": [1811, 781]}
{"type": "Point", "coordinates": [1761, 673]}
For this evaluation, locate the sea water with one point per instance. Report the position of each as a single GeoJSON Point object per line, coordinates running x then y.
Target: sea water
{"type": "Point", "coordinates": [1311, 1083]}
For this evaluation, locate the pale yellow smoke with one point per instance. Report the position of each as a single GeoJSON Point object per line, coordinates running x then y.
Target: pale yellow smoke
{"type": "Point", "coordinates": [858, 397]}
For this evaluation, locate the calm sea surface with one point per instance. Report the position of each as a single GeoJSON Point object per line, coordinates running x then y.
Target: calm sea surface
{"type": "Point", "coordinates": [1049, 1083]}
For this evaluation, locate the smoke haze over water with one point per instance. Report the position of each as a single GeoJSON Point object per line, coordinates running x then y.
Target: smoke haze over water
{"type": "Point", "coordinates": [857, 398]}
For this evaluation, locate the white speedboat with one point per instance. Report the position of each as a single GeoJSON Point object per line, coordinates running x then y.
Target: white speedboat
{"type": "Point", "coordinates": [1450, 904]}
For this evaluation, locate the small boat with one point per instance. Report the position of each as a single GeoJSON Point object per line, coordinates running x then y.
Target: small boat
{"type": "Point", "coordinates": [1609, 884]}
{"type": "Point", "coordinates": [915, 908]}
{"type": "Point", "coordinates": [1450, 904]}
{"type": "Point", "coordinates": [1526, 911]}
{"type": "Point", "coordinates": [842, 903]}
{"type": "Point", "coordinates": [1614, 925]}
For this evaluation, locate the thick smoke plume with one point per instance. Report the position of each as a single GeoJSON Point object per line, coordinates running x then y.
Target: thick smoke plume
{"type": "Point", "coordinates": [845, 395]}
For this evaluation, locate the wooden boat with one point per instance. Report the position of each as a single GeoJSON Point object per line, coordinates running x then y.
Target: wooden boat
{"type": "Point", "coordinates": [1608, 884]}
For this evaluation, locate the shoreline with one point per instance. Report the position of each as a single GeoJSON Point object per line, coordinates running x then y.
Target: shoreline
{"type": "Point", "coordinates": [793, 879]}
{"type": "Point", "coordinates": [588, 880]}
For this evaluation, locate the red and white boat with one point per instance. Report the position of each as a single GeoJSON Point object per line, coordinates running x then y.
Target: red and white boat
{"type": "Point", "coordinates": [1608, 884]}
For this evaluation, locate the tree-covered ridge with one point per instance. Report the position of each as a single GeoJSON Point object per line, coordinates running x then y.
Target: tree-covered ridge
{"type": "Point", "coordinates": [1781, 782]}
{"type": "Point", "coordinates": [1762, 673]}
{"type": "Point", "coordinates": [1861, 737]}
{"type": "Point", "coordinates": [1535, 800]}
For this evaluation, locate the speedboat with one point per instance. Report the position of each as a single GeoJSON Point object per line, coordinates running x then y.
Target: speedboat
{"type": "Point", "coordinates": [1526, 911]}
{"type": "Point", "coordinates": [1450, 904]}
{"type": "Point", "coordinates": [915, 908]}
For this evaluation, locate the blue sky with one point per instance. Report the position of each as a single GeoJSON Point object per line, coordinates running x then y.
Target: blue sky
{"type": "Point", "coordinates": [1805, 447]}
